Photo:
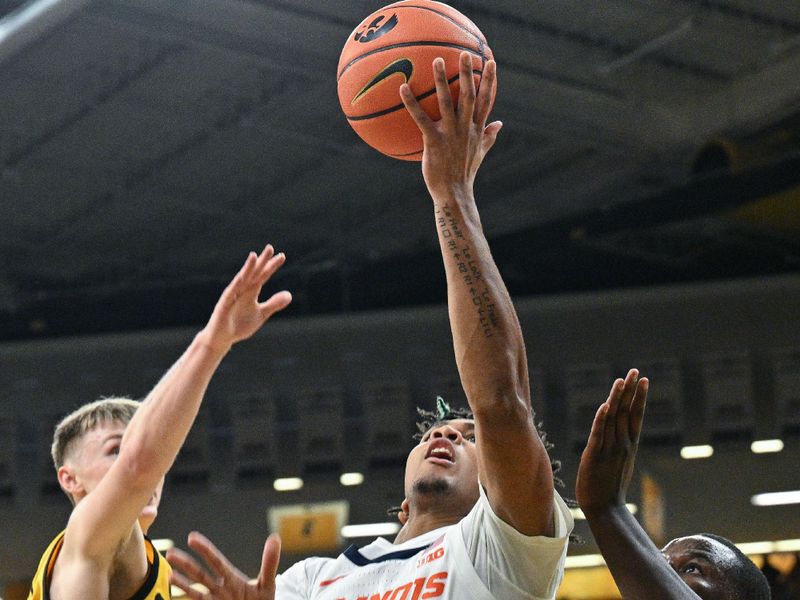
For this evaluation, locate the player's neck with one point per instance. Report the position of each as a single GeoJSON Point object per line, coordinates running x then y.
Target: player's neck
{"type": "Point", "coordinates": [422, 523]}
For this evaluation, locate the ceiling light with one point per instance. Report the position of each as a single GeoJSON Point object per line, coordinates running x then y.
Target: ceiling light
{"type": "Point", "coordinates": [776, 498]}
{"type": "Point", "coordinates": [287, 484]}
{"type": "Point", "coordinates": [351, 478]}
{"type": "Point", "coordinates": [765, 446]}
{"type": "Point", "coordinates": [752, 548]}
{"type": "Point", "coordinates": [787, 546]}
{"type": "Point", "coordinates": [370, 530]}
{"type": "Point", "coordinates": [702, 451]}
{"type": "Point", "coordinates": [582, 561]}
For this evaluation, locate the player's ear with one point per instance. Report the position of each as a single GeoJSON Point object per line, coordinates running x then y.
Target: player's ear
{"type": "Point", "coordinates": [68, 481]}
{"type": "Point", "coordinates": [402, 516]}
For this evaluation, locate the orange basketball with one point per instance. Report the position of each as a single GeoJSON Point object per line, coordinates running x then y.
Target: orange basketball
{"type": "Point", "coordinates": [398, 44]}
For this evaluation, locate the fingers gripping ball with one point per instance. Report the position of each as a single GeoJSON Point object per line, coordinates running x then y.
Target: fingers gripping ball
{"type": "Point", "coordinates": [398, 44]}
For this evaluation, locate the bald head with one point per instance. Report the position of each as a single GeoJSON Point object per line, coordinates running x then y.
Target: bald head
{"type": "Point", "coordinates": [715, 569]}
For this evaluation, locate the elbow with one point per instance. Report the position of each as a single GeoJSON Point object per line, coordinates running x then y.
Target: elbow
{"type": "Point", "coordinates": [504, 406]}
{"type": "Point", "coordinates": [500, 383]}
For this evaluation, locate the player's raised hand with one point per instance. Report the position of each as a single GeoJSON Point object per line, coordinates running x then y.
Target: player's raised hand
{"type": "Point", "coordinates": [607, 462]}
{"type": "Point", "coordinates": [221, 578]}
{"type": "Point", "coordinates": [238, 313]}
{"type": "Point", "coordinates": [454, 146]}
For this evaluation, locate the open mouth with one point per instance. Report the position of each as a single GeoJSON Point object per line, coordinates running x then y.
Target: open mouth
{"type": "Point", "coordinates": [441, 451]}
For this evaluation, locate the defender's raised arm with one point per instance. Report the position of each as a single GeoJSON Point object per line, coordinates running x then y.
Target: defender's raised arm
{"type": "Point", "coordinates": [696, 567]}
{"type": "Point", "coordinates": [103, 553]}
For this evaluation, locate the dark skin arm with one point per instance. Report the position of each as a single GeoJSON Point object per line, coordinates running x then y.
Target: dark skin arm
{"type": "Point", "coordinates": [637, 565]}
{"type": "Point", "coordinates": [513, 464]}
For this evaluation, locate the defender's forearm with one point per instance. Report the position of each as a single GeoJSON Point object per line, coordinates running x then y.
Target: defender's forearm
{"type": "Point", "coordinates": [637, 565]}
{"type": "Point", "coordinates": [161, 424]}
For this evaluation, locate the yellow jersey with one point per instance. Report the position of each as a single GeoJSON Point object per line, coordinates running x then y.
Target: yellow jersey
{"type": "Point", "coordinates": [155, 587]}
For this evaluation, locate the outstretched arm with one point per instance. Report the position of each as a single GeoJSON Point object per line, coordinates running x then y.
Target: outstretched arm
{"type": "Point", "coordinates": [225, 581]}
{"type": "Point", "coordinates": [104, 519]}
{"type": "Point", "coordinates": [605, 471]}
{"type": "Point", "coordinates": [490, 352]}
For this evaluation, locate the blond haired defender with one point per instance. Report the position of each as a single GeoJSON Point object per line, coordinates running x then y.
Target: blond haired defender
{"type": "Point", "coordinates": [111, 457]}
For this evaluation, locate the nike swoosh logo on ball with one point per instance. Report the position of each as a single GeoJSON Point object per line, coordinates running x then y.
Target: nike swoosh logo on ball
{"type": "Point", "coordinates": [402, 67]}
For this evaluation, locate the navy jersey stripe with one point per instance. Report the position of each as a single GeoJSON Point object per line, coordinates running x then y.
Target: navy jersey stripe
{"type": "Point", "coordinates": [354, 555]}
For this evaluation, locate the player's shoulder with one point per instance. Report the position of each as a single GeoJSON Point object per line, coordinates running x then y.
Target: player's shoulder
{"type": "Point", "coordinates": [307, 570]}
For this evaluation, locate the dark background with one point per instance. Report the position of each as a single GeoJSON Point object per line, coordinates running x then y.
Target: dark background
{"type": "Point", "coordinates": [146, 146]}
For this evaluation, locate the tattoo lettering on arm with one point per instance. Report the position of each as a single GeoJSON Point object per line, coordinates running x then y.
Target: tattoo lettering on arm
{"type": "Point", "coordinates": [467, 266]}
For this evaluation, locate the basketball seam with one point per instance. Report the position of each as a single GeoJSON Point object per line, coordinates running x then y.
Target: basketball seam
{"type": "Point", "coordinates": [406, 154]}
{"type": "Point", "coordinates": [480, 39]}
{"type": "Point", "coordinates": [407, 44]}
{"type": "Point", "coordinates": [397, 107]}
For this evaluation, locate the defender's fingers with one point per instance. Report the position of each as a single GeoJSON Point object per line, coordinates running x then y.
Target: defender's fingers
{"type": "Point", "coordinates": [637, 409]}
{"type": "Point", "coordinates": [630, 386]}
{"type": "Point", "coordinates": [267, 253]}
{"type": "Point", "coordinates": [443, 91]}
{"type": "Point", "coordinates": [184, 584]}
{"type": "Point", "coordinates": [466, 84]}
{"type": "Point", "coordinates": [276, 303]}
{"type": "Point", "coordinates": [211, 554]}
{"type": "Point", "coordinates": [614, 397]}
{"type": "Point", "coordinates": [624, 411]}
{"type": "Point", "coordinates": [269, 561]}
{"type": "Point", "coordinates": [264, 257]}
{"type": "Point", "coordinates": [595, 442]}
{"type": "Point", "coordinates": [194, 572]}
{"type": "Point", "coordinates": [233, 289]}
{"type": "Point", "coordinates": [610, 429]}
{"type": "Point", "coordinates": [272, 265]}
{"type": "Point", "coordinates": [252, 276]}
{"type": "Point", "coordinates": [421, 118]}
{"type": "Point", "coordinates": [483, 102]}
{"type": "Point", "coordinates": [249, 264]}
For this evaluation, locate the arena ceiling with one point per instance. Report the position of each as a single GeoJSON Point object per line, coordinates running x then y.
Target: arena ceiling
{"type": "Point", "coordinates": [146, 146]}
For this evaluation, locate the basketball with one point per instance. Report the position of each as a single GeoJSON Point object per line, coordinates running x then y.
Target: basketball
{"type": "Point", "coordinates": [398, 44]}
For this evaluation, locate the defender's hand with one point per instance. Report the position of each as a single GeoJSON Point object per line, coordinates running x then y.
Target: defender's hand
{"type": "Point", "coordinates": [225, 581]}
{"type": "Point", "coordinates": [238, 313]}
{"type": "Point", "coordinates": [607, 462]}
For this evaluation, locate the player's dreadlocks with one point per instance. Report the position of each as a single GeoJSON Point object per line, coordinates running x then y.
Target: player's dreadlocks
{"type": "Point", "coordinates": [430, 419]}
{"type": "Point", "coordinates": [443, 413]}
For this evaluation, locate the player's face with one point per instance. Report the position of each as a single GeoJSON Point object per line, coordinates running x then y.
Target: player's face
{"type": "Point", "coordinates": [94, 454]}
{"type": "Point", "coordinates": [446, 460]}
{"type": "Point", "coordinates": [702, 563]}
{"type": "Point", "coordinates": [97, 450]}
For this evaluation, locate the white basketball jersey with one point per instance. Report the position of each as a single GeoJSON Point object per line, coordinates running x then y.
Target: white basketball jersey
{"type": "Point", "coordinates": [479, 558]}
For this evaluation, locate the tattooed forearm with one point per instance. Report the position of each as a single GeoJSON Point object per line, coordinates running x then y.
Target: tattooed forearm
{"type": "Point", "coordinates": [468, 268]}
